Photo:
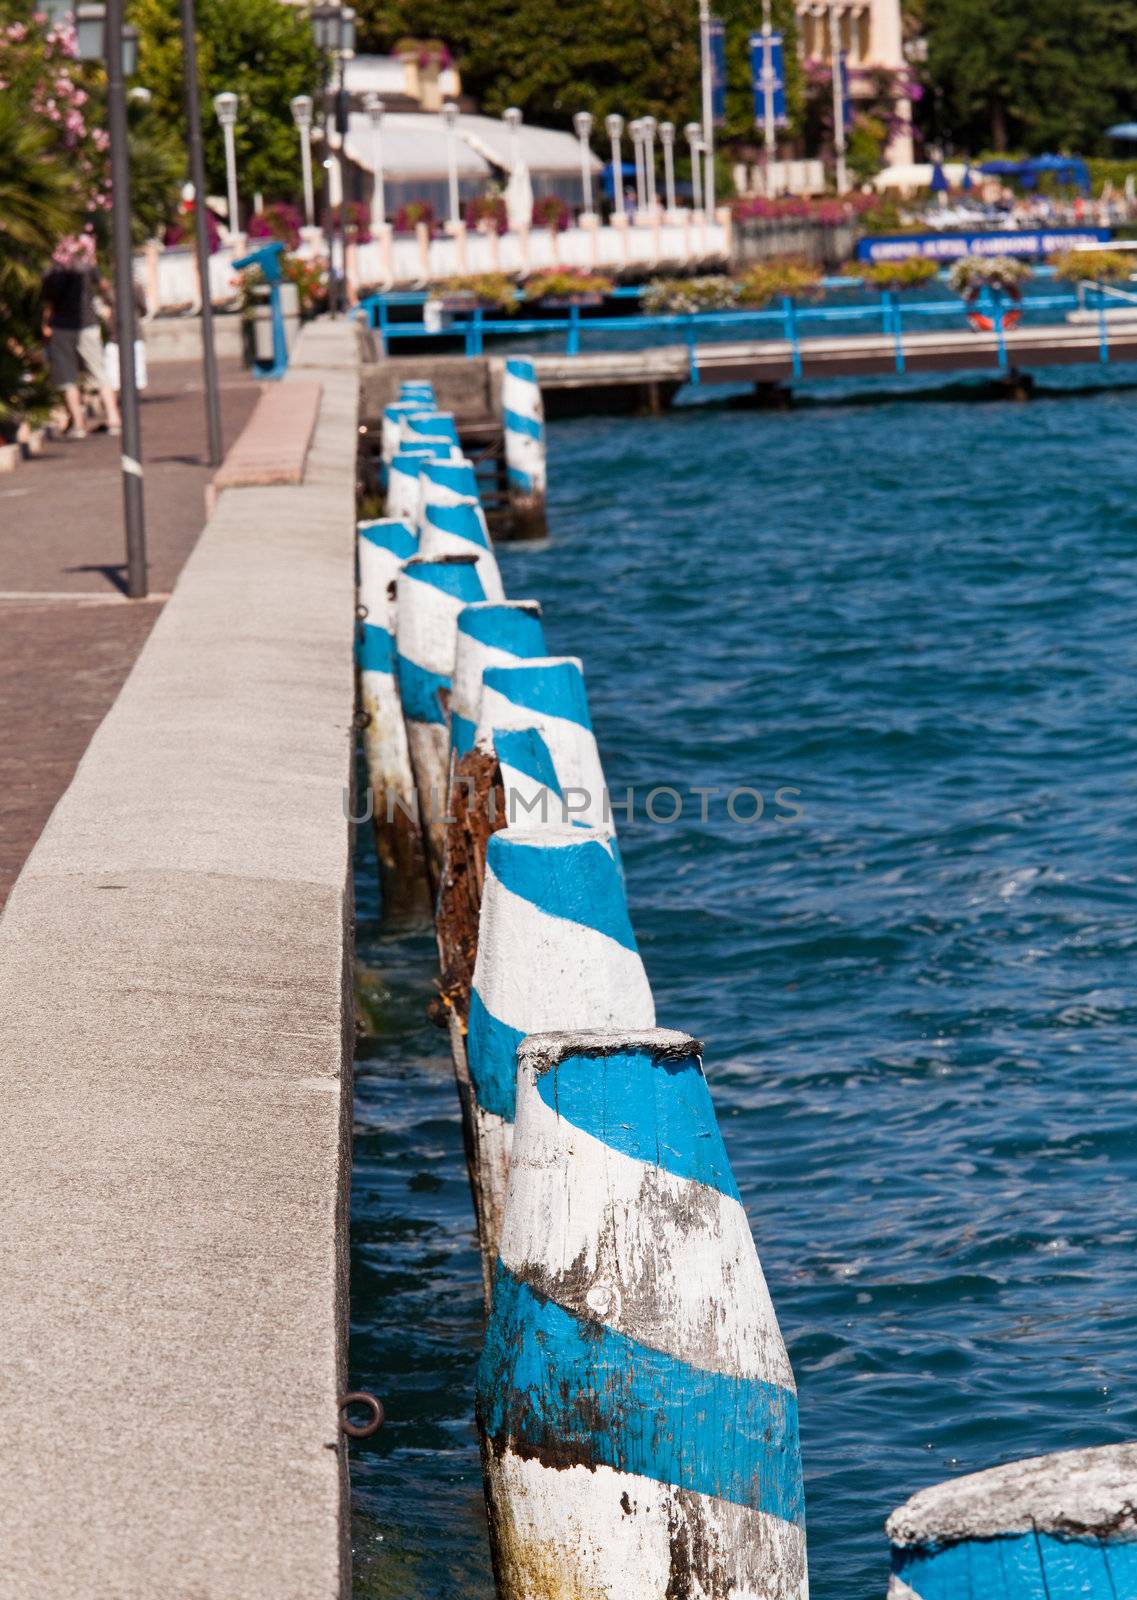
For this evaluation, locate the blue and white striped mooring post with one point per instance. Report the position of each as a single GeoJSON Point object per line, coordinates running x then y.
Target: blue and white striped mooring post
{"type": "Point", "coordinates": [383, 548]}
{"type": "Point", "coordinates": [489, 634]}
{"type": "Point", "coordinates": [548, 695]}
{"type": "Point", "coordinates": [1057, 1527]}
{"type": "Point", "coordinates": [555, 950]}
{"type": "Point", "coordinates": [635, 1400]}
{"type": "Point", "coordinates": [460, 530]}
{"type": "Point", "coordinates": [523, 416]}
{"type": "Point", "coordinates": [403, 471]}
{"type": "Point", "coordinates": [429, 596]}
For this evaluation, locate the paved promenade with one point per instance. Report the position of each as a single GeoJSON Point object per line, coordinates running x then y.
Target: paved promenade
{"type": "Point", "coordinates": [69, 638]}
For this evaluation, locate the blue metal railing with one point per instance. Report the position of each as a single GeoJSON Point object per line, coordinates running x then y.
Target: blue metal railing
{"type": "Point", "coordinates": [888, 313]}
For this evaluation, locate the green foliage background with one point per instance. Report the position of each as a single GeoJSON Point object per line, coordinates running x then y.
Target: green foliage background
{"type": "Point", "coordinates": [261, 50]}
{"type": "Point", "coordinates": [638, 57]}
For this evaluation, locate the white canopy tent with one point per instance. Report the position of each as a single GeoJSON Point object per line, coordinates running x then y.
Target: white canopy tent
{"type": "Point", "coordinates": [414, 147]}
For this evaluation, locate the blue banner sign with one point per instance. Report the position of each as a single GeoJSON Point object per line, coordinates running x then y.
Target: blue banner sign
{"type": "Point", "coordinates": [951, 246]}
{"type": "Point", "coordinates": [717, 37]}
{"type": "Point", "coordinates": [846, 103]}
{"type": "Point", "coordinates": [767, 74]}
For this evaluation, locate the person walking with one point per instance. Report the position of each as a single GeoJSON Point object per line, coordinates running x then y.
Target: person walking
{"type": "Point", "coordinates": [72, 333]}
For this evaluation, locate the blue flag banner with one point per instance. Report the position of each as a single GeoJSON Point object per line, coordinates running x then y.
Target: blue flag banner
{"type": "Point", "coordinates": [717, 34]}
{"type": "Point", "coordinates": [846, 103]}
{"type": "Point", "coordinates": [767, 73]}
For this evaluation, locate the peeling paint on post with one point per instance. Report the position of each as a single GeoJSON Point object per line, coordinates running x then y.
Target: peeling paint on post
{"type": "Point", "coordinates": [492, 634]}
{"type": "Point", "coordinates": [459, 530]}
{"type": "Point", "coordinates": [555, 950]}
{"type": "Point", "coordinates": [489, 634]}
{"type": "Point", "coordinates": [383, 548]}
{"type": "Point", "coordinates": [389, 437]}
{"type": "Point", "coordinates": [450, 482]}
{"type": "Point", "coordinates": [548, 695]}
{"type": "Point", "coordinates": [523, 414]}
{"type": "Point", "coordinates": [415, 425]}
{"type": "Point", "coordinates": [420, 389]}
{"type": "Point", "coordinates": [1048, 1527]}
{"type": "Point", "coordinates": [636, 1404]}
{"type": "Point", "coordinates": [429, 597]}
{"type": "Point", "coordinates": [403, 478]}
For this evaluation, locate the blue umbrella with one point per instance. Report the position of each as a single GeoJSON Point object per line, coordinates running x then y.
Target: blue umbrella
{"type": "Point", "coordinates": [940, 185]}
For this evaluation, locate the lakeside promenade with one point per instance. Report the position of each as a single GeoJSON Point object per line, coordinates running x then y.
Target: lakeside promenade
{"type": "Point", "coordinates": [70, 636]}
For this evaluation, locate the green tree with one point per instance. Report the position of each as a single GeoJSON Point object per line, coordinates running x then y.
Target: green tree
{"type": "Point", "coordinates": [261, 50]}
{"type": "Point", "coordinates": [638, 57]}
{"type": "Point", "coordinates": [1029, 74]}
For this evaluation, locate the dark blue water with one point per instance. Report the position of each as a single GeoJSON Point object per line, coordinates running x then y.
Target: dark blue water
{"type": "Point", "coordinates": [916, 998]}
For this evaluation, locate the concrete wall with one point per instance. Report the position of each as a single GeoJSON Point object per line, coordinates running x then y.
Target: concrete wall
{"type": "Point", "coordinates": [175, 1012]}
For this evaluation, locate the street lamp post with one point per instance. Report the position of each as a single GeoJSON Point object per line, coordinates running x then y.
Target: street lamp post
{"type": "Point", "coordinates": [838, 98]}
{"type": "Point", "coordinates": [302, 117]}
{"type": "Point", "coordinates": [450, 118]}
{"type": "Point", "coordinates": [693, 134]}
{"type": "Point", "coordinates": [768, 135]}
{"type": "Point", "coordinates": [226, 106]}
{"type": "Point", "coordinates": [667, 140]}
{"type": "Point", "coordinates": [201, 233]}
{"type": "Point", "coordinates": [333, 28]}
{"type": "Point", "coordinates": [614, 127]}
{"type": "Point", "coordinates": [636, 129]}
{"type": "Point", "coordinates": [649, 125]}
{"type": "Point", "coordinates": [582, 126]}
{"type": "Point", "coordinates": [101, 32]}
{"type": "Point", "coordinates": [378, 195]}
{"type": "Point", "coordinates": [708, 105]}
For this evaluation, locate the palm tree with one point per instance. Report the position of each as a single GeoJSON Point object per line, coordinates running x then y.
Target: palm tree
{"type": "Point", "coordinates": [40, 201]}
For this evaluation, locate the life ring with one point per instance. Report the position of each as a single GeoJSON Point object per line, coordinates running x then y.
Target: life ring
{"type": "Point", "coordinates": [984, 324]}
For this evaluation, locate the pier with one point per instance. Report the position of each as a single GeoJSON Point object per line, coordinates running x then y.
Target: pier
{"type": "Point", "coordinates": [175, 1007]}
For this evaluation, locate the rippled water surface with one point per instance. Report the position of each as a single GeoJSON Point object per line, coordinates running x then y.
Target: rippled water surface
{"type": "Point", "coordinates": [916, 998]}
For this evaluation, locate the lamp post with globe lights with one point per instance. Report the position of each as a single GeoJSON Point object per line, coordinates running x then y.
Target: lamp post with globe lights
{"type": "Point", "coordinates": [375, 110]}
{"type": "Point", "coordinates": [333, 28]}
{"type": "Point", "coordinates": [301, 106]}
{"type": "Point", "coordinates": [102, 34]}
{"type": "Point", "coordinates": [667, 140]}
{"type": "Point", "coordinates": [636, 129]}
{"type": "Point", "coordinates": [649, 125]}
{"type": "Point", "coordinates": [614, 127]}
{"type": "Point", "coordinates": [450, 119]}
{"type": "Point", "coordinates": [582, 126]}
{"type": "Point", "coordinates": [693, 133]}
{"type": "Point", "coordinates": [226, 106]}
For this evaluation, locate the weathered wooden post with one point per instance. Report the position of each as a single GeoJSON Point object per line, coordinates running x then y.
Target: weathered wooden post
{"type": "Point", "coordinates": [636, 1404]}
{"type": "Point", "coordinates": [549, 695]}
{"type": "Point", "coordinates": [460, 530]}
{"type": "Point", "coordinates": [1047, 1528]}
{"type": "Point", "coordinates": [555, 950]}
{"type": "Point", "coordinates": [490, 634]}
{"type": "Point", "coordinates": [403, 478]}
{"type": "Point", "coordinates": [383, 548]}
{"type": "Point", "coordinates": [523, 415]}
{"type": "Point", "coordinates": [428, 597]}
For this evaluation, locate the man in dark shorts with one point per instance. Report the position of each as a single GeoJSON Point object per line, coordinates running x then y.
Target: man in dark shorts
{"type": "Point", "coordinates": [71, 329]}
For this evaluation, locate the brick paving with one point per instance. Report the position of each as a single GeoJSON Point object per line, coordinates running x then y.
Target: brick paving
{"type": "Point", "coordinates": [68, 638]}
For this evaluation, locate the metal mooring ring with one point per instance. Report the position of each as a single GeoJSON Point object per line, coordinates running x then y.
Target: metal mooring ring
{"type": "Point", "coordinates": [361, 1430]}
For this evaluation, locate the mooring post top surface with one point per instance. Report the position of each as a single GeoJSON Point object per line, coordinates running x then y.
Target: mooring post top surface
{"type": "Point", "coordinates": [1073, 1493]}
{"type": "Point", "coordinates": [542, 1051]}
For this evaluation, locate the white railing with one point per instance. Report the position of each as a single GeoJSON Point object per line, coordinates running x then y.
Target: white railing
{"type": "Point", "coordinates": [682, 239]}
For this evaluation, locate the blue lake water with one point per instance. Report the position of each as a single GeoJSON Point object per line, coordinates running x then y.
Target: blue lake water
{"type": "Point", "coordinates": [916, 998]}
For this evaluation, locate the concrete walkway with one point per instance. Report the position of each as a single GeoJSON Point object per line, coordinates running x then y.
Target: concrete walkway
{"type": "Point", "coordinates": [175, 1071]}
{"type": "Point", "coordinates": [68, 638]}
